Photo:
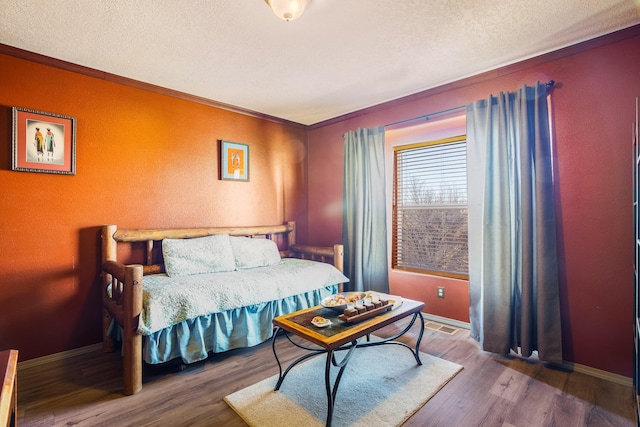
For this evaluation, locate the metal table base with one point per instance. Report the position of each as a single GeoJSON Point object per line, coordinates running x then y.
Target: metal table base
{"type": "Point", "coordinates": [332, 360]}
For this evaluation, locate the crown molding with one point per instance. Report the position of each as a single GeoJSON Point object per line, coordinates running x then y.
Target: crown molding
{"type": "Point", "coordinates": [604, 40]}
{"type": "Point", "coordinates": [114, 78]}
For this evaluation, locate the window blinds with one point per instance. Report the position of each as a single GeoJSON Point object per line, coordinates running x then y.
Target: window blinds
{"type": "Point", "coordinates": [430, 207]}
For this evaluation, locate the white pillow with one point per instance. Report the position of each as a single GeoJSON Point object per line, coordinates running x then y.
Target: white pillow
{"type": "Point", "coordinates": [210, 254]}
{"type": "Point", "coordinates": [250, 253]}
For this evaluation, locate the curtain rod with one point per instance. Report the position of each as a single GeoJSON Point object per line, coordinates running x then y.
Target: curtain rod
{"type": "Point", "coordinates": [549, 84]}
{"type": "Point", "coordinates": [426, 116]}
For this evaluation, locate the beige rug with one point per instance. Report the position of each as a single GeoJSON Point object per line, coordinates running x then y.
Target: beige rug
{"type": "Point", "coordinates": [381, 386]}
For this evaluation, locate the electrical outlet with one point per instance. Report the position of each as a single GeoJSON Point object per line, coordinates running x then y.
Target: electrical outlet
{"type": "Point", "coordinates": [440, 292]}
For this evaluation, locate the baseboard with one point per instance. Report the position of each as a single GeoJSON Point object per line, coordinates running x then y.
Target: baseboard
{"type": "Point", "coordinates": [57, 357]}
{"type": "Point", "coordinates": [598, 373]}
{"type": "Point", "coordinates": [569, 366]}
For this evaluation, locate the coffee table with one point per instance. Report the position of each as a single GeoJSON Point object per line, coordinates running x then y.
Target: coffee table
{"type": "Point", "coordinates": [341, 337]}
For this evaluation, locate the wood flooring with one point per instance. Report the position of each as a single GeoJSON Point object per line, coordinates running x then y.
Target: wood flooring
{"type": "Point", "coordinates": [491, 390]}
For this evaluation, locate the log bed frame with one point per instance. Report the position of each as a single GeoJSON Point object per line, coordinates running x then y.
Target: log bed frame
{"type": "Point", "coordinates": [124, 303]}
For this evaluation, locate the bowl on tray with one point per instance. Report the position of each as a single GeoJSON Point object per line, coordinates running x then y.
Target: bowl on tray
{"type": "Point", "coordinates": [339, 302]}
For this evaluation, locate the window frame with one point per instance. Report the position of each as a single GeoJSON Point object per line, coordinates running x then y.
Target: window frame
{"type": "Point", "coordinates": [394, 209]}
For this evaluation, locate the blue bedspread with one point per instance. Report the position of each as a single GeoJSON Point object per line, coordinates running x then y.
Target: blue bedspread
{"type": "Point", "coordinates": [190, 317]}
{"type": "Point", "coordinates": [171, 300]}
{"type": "Point", "coordinates": [192, 340]}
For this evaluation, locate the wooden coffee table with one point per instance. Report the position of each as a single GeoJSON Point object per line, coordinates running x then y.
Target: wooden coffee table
{"type": "Point", "coordinates": [341, 337]}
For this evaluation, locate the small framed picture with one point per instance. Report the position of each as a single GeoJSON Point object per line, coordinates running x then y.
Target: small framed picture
{"type": "Point", "coordinates": [234, 161]}
{"type": "Point", "coordinates": [43, 142]}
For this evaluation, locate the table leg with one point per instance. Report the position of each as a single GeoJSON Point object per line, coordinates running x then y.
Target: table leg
{"type": "Point", "coordinates": [333, 391]}
{"type": "Point", "coordinates": [327, 384]}
{"type": "Point", "coordinates": [273, 347]}
{"type": "Point", "coordinates": [282, 375]}
{"type": "Point", "coordinates": [417, 353]}
{"type": "Point", "coordinates": [392, 340]}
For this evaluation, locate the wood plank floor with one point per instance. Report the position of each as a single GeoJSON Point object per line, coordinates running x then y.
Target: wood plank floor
{"type": "Point", "coordinates": [491, 390]}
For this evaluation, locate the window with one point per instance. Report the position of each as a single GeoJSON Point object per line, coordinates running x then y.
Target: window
{"type": "Point", "coordinates": [430, 208]}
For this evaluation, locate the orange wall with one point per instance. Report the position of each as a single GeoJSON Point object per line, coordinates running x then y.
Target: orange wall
{"type": "Point", "coordinates": [143, 160]}
{"type": "Point", "coordinates": [593, 108]}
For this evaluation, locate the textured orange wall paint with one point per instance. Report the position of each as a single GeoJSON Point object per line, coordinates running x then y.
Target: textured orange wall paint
{"type": "Point", "coordinates": [593, 109]}
{"type": "Point", "coordinates": [143, 160]}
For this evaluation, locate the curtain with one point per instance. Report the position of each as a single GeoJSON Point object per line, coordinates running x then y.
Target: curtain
{"type": "Point", "coordinates": [364, 224]}
{"type": "Point", "coordinates": [513, 268]}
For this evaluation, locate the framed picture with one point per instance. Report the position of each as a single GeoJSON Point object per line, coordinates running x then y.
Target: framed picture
{"type": "Point", "coordinates": [234, 161]}
{"type": "Point", "coordinates": [43, 142]}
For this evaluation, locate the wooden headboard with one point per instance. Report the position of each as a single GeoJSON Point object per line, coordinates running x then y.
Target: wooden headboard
{"type": "Point", "coordinates": [286, 233]}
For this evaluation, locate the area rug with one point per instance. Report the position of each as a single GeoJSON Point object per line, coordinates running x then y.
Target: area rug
{"type": "Point", "coordinates": [381, 386]}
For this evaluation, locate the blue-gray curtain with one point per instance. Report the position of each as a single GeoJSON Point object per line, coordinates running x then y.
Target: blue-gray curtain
{"type": "Point", "coordinates": [513, 267]}
{"type": "Point", "coordinates": [364, 223]}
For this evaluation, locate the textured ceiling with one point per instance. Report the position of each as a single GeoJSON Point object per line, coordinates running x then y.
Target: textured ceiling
{"type": "Point", "coordinates": [340, 56]}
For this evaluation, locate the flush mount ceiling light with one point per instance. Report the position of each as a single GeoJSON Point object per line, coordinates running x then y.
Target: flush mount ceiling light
{"type": "Point", "coordinates": [288, 9]}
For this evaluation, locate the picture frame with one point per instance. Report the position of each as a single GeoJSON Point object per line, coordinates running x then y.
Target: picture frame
{"type": "Point", "coordinates": [43, 142]}
{"type": "Point", "coordinates": [234, 161]}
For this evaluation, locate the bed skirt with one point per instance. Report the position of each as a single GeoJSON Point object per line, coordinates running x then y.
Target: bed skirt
{"type": "Point", "coordinates": [192, 340]}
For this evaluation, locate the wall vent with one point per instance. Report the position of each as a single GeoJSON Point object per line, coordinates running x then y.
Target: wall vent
{"type": "Point", "coordinates": [441, 328]}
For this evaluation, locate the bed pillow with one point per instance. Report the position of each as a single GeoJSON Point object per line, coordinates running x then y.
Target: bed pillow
{"type": "Point", "coordinates": [251, 253]}
{"type": "Point", "coordinates": [210, 254]}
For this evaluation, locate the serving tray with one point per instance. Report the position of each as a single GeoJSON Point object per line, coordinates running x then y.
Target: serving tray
{"type": "Point", "coordinates": [366, 314]}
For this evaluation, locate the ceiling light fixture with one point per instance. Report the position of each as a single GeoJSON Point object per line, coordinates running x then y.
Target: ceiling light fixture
{"type": "Point", "coordinates": [288, 9]}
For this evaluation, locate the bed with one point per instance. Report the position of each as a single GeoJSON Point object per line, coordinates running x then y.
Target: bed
{"type": "Point", "coordinates": [188, 298]}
